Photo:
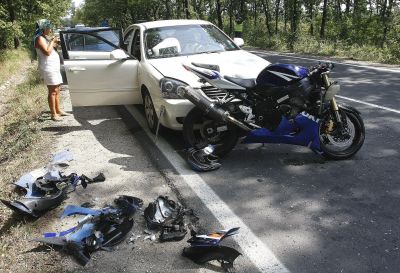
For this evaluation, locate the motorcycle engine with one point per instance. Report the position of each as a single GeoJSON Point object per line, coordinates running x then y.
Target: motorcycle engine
{"type": "Point", "coordinates": [267, 114]}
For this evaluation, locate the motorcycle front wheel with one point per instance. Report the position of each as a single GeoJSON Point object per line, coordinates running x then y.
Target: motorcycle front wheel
{"type": "Point", "coordinates": [199, 130]}
{"type": "Point", "coordinates": [342, 144]}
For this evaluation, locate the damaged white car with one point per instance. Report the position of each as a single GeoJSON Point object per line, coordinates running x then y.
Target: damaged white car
{"type": "Point", "coordinates": [142, 66]}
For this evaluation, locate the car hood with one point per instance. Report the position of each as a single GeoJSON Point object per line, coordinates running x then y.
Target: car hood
{"type": "Point", "coordinates": [237, 63]}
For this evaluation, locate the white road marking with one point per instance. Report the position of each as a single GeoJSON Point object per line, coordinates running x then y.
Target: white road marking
{"type": "Point", "coordinates": [340, 62]}
{"type": "Point", "coordinates": [370, 104]}
{"type": "Point", "coordinates": [259, 253]}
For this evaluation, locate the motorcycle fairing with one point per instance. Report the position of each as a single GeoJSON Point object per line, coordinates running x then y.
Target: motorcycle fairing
{"type": "Point", "coordinates": [204, 254]}
{"type": "Point", "coordinates": [77, 210]}
{"type": "Point", "coordinates": [34, 206]}
{"type": "Point", "coordinates": [47, 191]}
{"type": "Point", "coordinates": [99, 229]}
{"type": "Point", "coordinates": [281, 74]}
{"type": "Point", "coordinates": [303, 131]}
{"type": "Point", "coordinates": [213, 238]}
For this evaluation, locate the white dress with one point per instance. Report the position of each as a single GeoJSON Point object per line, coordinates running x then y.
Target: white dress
{"type": "Point", "coordinates": [49, 67]}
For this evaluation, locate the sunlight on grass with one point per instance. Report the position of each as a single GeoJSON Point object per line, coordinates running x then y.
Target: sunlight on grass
{"type": "Point", "coordinates": [11, 61]}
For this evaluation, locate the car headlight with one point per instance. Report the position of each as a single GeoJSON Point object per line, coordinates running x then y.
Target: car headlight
{"type": "Point", "coordinates": [170, 88]}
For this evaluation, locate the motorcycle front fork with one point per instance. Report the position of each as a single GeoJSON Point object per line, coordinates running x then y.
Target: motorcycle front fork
{"type": "Point", "coordinates": [334, 106]}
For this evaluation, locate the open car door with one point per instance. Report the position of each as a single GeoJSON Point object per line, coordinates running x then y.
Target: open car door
{"type": "Point", "coordinates": [98, 71]}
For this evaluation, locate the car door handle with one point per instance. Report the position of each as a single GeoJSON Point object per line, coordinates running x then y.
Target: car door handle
{"type": "Point", "coordinates": [74, 69]}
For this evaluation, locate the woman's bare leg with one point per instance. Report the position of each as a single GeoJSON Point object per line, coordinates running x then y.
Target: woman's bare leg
{"type": "Point", "coordinates": [58, 109]}
{"type": "Point", "coordinates": [52, 99]}
{"type": "Point", "coordinates": [57, 106]}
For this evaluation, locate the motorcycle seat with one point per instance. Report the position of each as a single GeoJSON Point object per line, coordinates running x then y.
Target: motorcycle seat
{"type": "Point", "coordinates": [246, 83]}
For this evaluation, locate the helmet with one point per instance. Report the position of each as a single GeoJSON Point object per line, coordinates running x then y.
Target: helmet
{"type": "Point", "coordinates": [203, 160]}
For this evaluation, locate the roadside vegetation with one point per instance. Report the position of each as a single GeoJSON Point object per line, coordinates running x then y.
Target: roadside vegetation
{"type": "Point", "coordinates": [11, 61]}
{"type": "Point", "coordinates": [23, 147]}
{"type": "Point", "coordinates": [354, 29]}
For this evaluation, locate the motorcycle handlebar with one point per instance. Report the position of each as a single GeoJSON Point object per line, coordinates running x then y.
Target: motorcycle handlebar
{"type": "Point", "coordinates": [320, 68]}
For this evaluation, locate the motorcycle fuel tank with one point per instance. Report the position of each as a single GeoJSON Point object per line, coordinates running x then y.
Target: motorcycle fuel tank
{"type": "Point", "coordinates": [276, 75]}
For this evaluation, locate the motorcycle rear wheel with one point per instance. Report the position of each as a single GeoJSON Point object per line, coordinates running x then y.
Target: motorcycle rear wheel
{"type": "Point", "coordinates": [199, 130]}
{"type": "Point", "coordinates": [343, 146]}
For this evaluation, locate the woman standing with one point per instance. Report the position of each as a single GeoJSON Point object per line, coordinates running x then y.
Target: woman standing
{"type": "Point", "coordinates": [49, 66]}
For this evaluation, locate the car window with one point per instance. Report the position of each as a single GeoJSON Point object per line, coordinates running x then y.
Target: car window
{"type": "Point", "coordinates": [127, 39]}
{"type": "Point", "coordinates": [91, 41]}
{"type": "Point", "coordinates": [183, 40]}
{"type": "Point", "coordinates": [135, 48]}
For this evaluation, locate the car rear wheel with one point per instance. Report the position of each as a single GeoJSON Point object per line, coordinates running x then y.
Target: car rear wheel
{"type": "Point", "coordinates": [150, 112]}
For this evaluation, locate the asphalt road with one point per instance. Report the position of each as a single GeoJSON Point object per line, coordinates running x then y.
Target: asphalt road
{"type": "Point", "coordinates": [300, 213]}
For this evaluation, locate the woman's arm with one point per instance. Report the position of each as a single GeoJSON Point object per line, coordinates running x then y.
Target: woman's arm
{"type": "Point", "coordinates": [45, 47]}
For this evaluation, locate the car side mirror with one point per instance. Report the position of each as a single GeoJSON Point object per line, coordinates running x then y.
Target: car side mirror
{"type": "Point", "coordinates": [238, 41]}
{"type": "Point", "coordinates": [118, 54]}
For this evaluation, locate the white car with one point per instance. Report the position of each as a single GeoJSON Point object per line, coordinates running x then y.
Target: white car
{"type": "Point", "coordinates": [104, 67]}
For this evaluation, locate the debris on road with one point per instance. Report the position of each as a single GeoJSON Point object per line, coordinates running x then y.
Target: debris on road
{"type": "Point", "coordinates": [206, 248]}
{"type": "Point", "coordinates": [47, 191]}
{"type": "Point", "coordinates": [167, 215]}
{"type": "Point", "coordinates": [100, 229]}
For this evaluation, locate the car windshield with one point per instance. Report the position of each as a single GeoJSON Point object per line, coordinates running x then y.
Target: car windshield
{"type": "Point", "coordinates": [184, 40]}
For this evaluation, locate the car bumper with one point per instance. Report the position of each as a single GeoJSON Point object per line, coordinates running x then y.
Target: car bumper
{"type": "Point", "coordinates": [174, 113]}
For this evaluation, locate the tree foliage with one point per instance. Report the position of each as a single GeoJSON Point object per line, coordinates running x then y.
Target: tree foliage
{"type": "Point", "coordinates": [279, 24]}
{"type": "Point", "coordinates": [18, 17]}
{"type": "Point", "coordinates": [372, 23]}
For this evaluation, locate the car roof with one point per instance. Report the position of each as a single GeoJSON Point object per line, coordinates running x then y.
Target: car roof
{"type": "Point", "coordinates": [88, 29]}
{"type": "Point", "coordinates": [166, 23]}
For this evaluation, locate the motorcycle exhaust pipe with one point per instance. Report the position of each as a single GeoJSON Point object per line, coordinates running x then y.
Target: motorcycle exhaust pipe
{"type": "Point", "coordinates": [209, 107]}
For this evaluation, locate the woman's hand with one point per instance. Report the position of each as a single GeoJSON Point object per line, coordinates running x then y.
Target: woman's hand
{"type": "Point", "coordinates": [56, 40]}
{"type": "Point", "coordinates": [46, 47]}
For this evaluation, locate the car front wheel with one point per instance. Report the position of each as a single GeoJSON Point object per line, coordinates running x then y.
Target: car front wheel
{"type": "Point", "coordinates": [150, 112]}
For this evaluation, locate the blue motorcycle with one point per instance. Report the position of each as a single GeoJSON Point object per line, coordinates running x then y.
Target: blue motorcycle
{"type": "Point", "coordinates": [284, 104]}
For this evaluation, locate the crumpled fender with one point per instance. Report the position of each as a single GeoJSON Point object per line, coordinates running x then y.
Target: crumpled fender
{"type": "Point", "coordinates": [204, 254]}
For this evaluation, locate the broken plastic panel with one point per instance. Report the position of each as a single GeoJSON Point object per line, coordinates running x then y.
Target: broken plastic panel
{"type": "Point", "coordinates": [62, 158]}
{"type": "Point", "coordinates": [206, 248]}
{"type": "Point", "coordinates": [30, 177]}
{"type": "Point", "coordinates": [201, 255]}
{"type": "Point", "coordinates": [212, 239]}
{"type": "Point", "coordinates": [46, 192]}
{"type": "Point", "coordinates": [99, 229]}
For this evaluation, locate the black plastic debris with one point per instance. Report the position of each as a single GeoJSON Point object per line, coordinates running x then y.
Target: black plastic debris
{"type": "Point", "coordinates": [100, 229]}
{"type": "Point", "coordinates": [168, 216]}
{"type": "Point", "coordinates": [206, 248]}
{"type": "Point", "coordinates": [173, 233]}
{"type": "Point", "coordinates": [203, 159]}
{"type": "Point", "coordinates": [47, 192]}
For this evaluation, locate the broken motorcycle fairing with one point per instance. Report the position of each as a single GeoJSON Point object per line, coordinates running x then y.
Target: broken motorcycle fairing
{"type": "Point", "coordinates": [100, 229]}
{"type": "Point", "coordinates": [34, 206]}
{"type": "Point", "coordinates": [47, 191]}
{"type": "Point", "coordinates": [212, 239]}
{"type": "Point", "coordinates": [206, 248]}
{"type": "Point", "coordinates": [205, 254]}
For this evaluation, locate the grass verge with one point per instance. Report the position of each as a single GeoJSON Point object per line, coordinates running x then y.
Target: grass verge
{"type": "Point", "coordinates": [309, 45]}
{"type": "Point", "coordinates": [23, 147]}
{"type": "Point", "coordinates": [11, 61]}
